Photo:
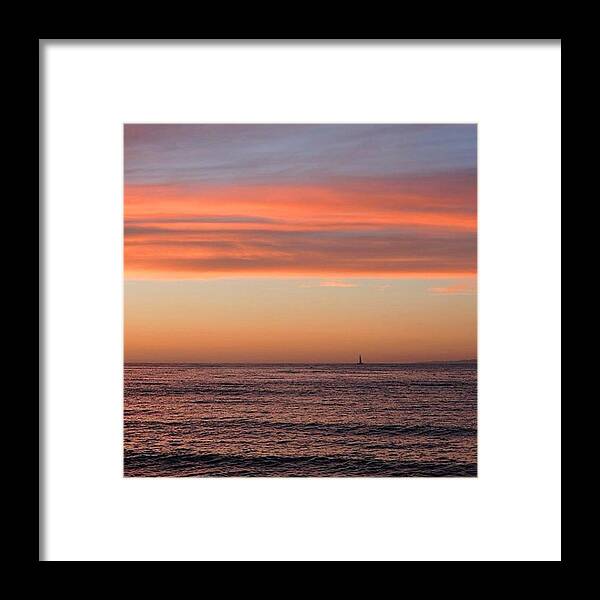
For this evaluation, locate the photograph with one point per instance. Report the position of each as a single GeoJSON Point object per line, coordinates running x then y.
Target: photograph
{"type": "Point", "coordinates": [300, 300]}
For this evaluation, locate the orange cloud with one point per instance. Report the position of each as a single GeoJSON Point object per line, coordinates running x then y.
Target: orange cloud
{"type": "Point", "coordinates": [456, 290]}
{"type": "Point", "coordinates": [337, 284]}
{"type": "Point", "coordinates": [385, 227]}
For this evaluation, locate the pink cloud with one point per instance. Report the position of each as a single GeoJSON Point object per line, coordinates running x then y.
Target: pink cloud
{"type": "Point", "coordinates": [460, 289]}
{"type": "Point", "coordinates": [341, 284]}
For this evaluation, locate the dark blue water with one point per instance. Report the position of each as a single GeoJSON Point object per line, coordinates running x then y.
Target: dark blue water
{"type": "Point", "coordinates": [301, 420]}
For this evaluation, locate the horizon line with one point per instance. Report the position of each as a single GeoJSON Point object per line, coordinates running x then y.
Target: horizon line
{"type": "Point", "coordinates": [187, 362]}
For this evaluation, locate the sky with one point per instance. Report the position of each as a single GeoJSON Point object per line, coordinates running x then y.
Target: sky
{"type": "Point", "coordinates": [300, 243]}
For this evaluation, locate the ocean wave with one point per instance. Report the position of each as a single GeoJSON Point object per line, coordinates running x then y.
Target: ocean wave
{"type": "Point", "coordinates": [320, 427]}
{"type": "Point", "coordinates": [221, 465]}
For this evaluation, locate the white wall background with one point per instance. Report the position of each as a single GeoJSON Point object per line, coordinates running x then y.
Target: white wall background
{"type": "Point", "coordinates": [512, 510]}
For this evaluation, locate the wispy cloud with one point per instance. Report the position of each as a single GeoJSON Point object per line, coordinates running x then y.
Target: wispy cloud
{"type": "Point", "coordinates": [463, 289]}
{"type": "Point", "coordinates": [251, 154]}
{"type": "Point", "coordinates": [337, 284]}
{"type": "Point", "coordinates": [329, 284]}
{"type": "Point", "coordinates": [318, 201]}
{"type": "Point", "coordinates": [371, 228]}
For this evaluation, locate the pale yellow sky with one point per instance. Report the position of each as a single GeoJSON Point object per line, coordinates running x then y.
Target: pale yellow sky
{"type": "Point", "coordinates": [300, 320]}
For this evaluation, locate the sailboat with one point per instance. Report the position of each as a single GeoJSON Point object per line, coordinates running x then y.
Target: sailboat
{"type": "Point", "coordinates": [360, 362]}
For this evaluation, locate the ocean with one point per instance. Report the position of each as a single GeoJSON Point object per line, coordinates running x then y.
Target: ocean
{"type": "Point", "coordinates": [370, 420]}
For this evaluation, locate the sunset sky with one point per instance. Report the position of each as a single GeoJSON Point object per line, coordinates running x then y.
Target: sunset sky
{"type": "Point", "coordinates": [300, 243]}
